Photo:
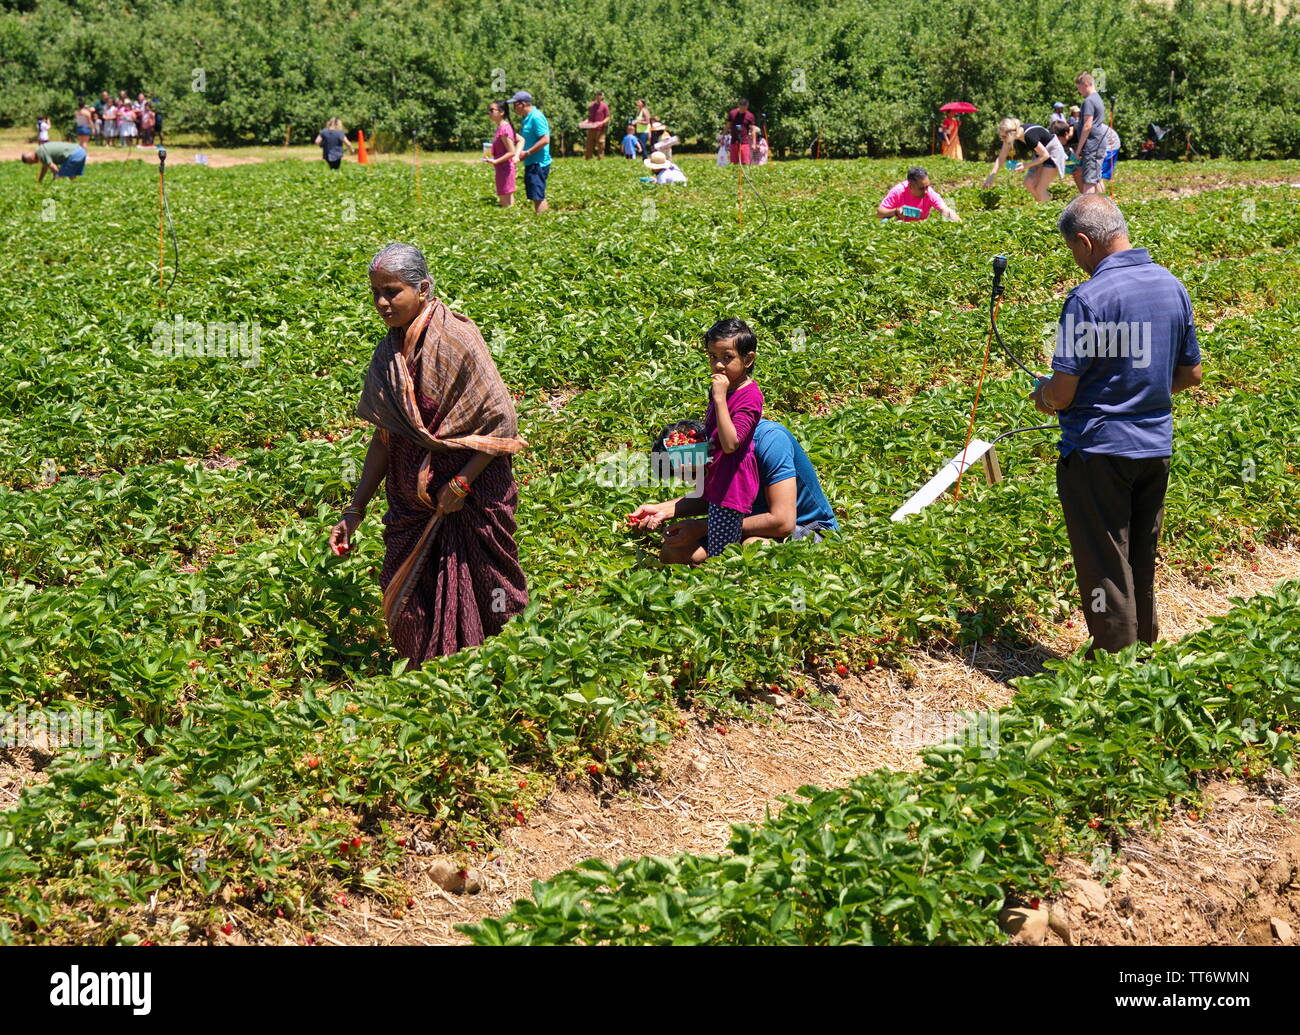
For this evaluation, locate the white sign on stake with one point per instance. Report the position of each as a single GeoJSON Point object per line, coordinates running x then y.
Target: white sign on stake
{"type": "Point", "coordinates": [934, 488]}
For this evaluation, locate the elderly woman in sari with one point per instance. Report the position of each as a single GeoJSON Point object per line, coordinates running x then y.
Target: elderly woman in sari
{"type": "Point", "coordinates": [445, 434]}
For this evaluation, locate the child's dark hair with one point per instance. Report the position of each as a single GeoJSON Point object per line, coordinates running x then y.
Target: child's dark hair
{"type": "Point", "coordinates": [734, 330]}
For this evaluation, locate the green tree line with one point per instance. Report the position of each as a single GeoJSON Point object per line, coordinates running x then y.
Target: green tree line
{"type": "Point", "coordinates": [866, 76]}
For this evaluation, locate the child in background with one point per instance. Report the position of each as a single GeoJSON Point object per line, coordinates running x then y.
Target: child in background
{"type": "Point", "coordinates": [43, 130]}
{"type": "Point", "coordinates": [110, 124]}
{"type": "Point", "coordinates": [631, 145]}
{"type": "Point", "coordinates": [735, 408]}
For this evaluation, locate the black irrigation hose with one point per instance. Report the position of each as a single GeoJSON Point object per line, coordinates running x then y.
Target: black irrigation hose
{"type": "Point", "coordinates": [167, 209]}
{"type": "Point", "coordinates": [999, 266]}
{"type": "Point", "coordinates": [1021, 431]}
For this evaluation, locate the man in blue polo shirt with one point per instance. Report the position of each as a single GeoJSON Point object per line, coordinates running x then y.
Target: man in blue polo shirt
{"type": "Point", "coordinates": [536, 153]}
{"type": "Point", "coordinates": [1125, 343]}
{"type": "Point", "coordinates": [790, 503]}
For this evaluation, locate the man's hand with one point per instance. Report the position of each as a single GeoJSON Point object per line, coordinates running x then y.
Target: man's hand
{"type": "Point", "coordinates": [988, 180]}
{"type": "Point", "coordinates": [1036, 397]}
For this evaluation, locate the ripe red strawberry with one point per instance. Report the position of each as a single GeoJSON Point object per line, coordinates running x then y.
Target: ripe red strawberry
{"type": "Point", "coordinates": [1033, 903]}
{"type": "Point", "coordinates": [330, 438]}
{"type": "Point", "coordinates": [402, 841]}
{"type": "Point", "coordinates": [1094, 823]}
{"type": "Point", "coordinates": [523, 783]}
{"type": "Point", "coordinates": [344, 846]}
{"type": "Point", "coordinates": [1245, 770]}
{"type": "Point", "coordinates": [1194, 816]}
{"type": "Point", "coordinates": [193, 664]}
{"type": "Point", "coordinates": [279, 912]}
{"type": "Point", "coordinates": [841, 669]}
{"type": "Point", "coordinates": [472, 844]}
{"type": "Point", "coordinates": [227, 929]}
{"type": "Point", "coordinates": [593, 769]}
{"type": "Point", "coordinates": [686, 665]}
{"type": "Point", "coordinates": [1069, 625]}
{"type": "Point", "coordinates": [721, 729]}
{"type": "Point", "coordinates": [146, 942]}
{"type": "Point", "coordinates": [462, 874]}
{"type": "Point", "coordinates": [356, 842]}
{"type": "Point", "coordinates": [410, 902]}
{"type": "Point", "coordinates": [341, 899]}
{"type": "Point", "coordinates": [310, 939]}
{"type": "Point", "coordinates": [774, 689]}
{"type": "Point", "coordinates": [312, 761]}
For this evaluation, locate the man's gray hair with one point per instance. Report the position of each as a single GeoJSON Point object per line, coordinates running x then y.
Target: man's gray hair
{"type": "Point", "coordinates": [1096, 217]}
{"type": "Point", "coordinates": [404, 260]}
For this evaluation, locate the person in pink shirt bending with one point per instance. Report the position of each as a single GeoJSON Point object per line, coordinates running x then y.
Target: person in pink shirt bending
{"type": "Point", "coordinates": [735, 408]}
{"type": "Point", "coordinates": [913, 198]}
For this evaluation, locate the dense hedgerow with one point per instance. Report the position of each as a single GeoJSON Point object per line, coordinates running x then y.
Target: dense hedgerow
{"type": "Point", "coordinates": [865, 76]}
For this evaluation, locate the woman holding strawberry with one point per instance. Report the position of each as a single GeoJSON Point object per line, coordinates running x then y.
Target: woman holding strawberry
{"type": "Point", "coordinates": [735, 408]}
{"type": "Point", "coordinates": [445, 434]}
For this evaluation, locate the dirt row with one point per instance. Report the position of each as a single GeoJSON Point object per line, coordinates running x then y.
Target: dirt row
{"type": "Point", "coordinates": [1176, 888]}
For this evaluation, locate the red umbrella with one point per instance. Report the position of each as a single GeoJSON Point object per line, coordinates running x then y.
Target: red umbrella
{"type": "Point", "coordinates": [960, 107]}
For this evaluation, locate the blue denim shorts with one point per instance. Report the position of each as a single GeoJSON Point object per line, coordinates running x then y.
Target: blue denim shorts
{"type": "Point", "coordinates": [73, 165]}
{"type": "Point", "coordinates": [535, 180]}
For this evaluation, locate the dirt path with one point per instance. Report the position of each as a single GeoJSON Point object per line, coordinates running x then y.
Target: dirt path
{"type": "Point", "coordinates": [711, 779]}
{"type": "Point", "coordinates": [221, 158]}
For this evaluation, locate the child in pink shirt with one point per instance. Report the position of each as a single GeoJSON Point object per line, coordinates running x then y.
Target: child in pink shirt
{"type": "Point", "coordinates": [735, 408]}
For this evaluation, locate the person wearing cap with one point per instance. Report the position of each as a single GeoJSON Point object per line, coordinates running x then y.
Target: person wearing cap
{"type": "Point", "coordinates": [664, 170]}
{"type": "Point", "coordinates": [62, 159]}
{"type": "Point", "coordinates": [536, 152]}
{"type": "Point", "coordinates": [1058, 114]}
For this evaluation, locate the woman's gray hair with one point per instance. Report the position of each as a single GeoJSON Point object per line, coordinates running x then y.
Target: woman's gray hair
{"type": "Point", "coordinates": [1096, 217]}
{"type": "Point", "coordinates": [406, 261]}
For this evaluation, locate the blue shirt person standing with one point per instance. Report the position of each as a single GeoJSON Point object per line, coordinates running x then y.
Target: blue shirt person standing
{"type": "Point", "coordinates": [1125, 343]}
{"type": "Point", "coordinates": [536, 154]}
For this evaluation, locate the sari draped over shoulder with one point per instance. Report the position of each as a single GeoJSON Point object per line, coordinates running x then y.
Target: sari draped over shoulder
{"type": "Point", "coordinates": [435, 395]}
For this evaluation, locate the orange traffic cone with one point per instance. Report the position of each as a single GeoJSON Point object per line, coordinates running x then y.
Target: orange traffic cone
{"type": "Point", "coordinates": [362, 157]}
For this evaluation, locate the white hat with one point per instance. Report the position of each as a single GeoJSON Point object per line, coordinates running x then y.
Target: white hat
{"type": "Point", "coordinates": [658, 160]}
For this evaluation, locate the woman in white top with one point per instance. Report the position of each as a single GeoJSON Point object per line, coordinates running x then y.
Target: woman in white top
{"type": "Point", "coordinates": [664, 170]}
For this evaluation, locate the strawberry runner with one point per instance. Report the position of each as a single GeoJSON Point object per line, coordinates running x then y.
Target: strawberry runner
{"type": "Point", "coordinates": [435, 395]}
